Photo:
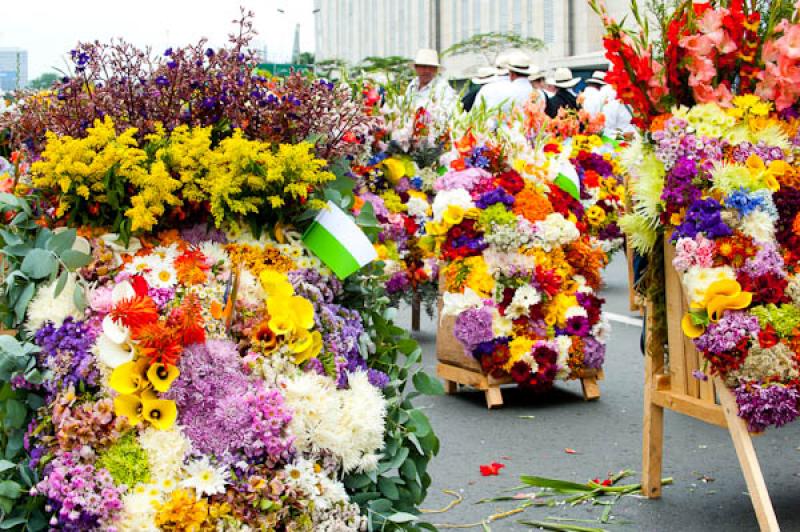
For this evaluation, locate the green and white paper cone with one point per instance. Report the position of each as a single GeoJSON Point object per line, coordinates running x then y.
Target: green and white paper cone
{"type": "Point", "coordinates": [338, 242]}
{"type": "Point", "coordinates": [568, 180]}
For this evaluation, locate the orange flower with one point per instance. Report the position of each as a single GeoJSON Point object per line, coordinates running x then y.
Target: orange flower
{"type": "Point", "coordinates": [187, 321]}
{"type": "Point", "coordinates": [191, 267]}
{"type": "Point", "coordinates": [532, 206]}
{"type": "Point", "coordinates": [159, 343]}
{"type": "Point", "coordinates": [658, 122]}
{"type": "Point", "coordinates": [135, 312]}
{"type": "Point", "coordinates": [587, 261]}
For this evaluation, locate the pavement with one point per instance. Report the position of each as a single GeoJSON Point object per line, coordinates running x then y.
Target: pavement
{"type": "Point", "coordinates": [708, 491]}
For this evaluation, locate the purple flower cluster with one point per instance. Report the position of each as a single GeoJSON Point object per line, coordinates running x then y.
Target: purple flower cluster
{"type": "Point", "coordinates": [745, 149]}
{"type": "Point", "coordinates": [199, 233]}
{"type": "Point", "coordinates": [465, 179]}
{"type": "Point", "coordinates": [80, 496]}
{"type": "Point", "coordinates": [678, 189]}
{"type": "Point", "coordinates": [673, 143]}
{"type": "Point", "coordinates": [221, 411]}
{"type": "Point", "coordinates": [492, 197]}
{"type": "Point", "coordinates": [766, 405]}
{"type": "Point", "coordinates": [161, 296]}
{"type": "Point", "coordinates": [594, 353]}
{"type": "Point", "coordinates": [766, 260]}
{"type": "Point", "coordinates": [724, 335]}
{"type": "Point", "coordinates": [398, 282]}
{"type": "Point", "coordinates": [66, 352]}
{"type": "Point", "coordinates": [704, 216]}
{"type": "Point", "coordinates": [473, 327]}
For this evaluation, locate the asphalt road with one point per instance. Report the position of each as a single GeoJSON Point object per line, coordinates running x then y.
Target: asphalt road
{"type": "Point", "coordinates": [708, 493]}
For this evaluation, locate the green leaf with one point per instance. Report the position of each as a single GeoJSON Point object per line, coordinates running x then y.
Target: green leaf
{"type": "Point", "coordinates": [402, 517]}
{"type": "Point", "coordinates": [39, 263]}
{"type": "Point", "coordinates": [427, 384]}
{"type": "Point", "coordinates": [5, 465]}
{"type": "Point", "coordinates": [15, 414]}
{"type": "Point", "coordinates": [79, 298]}
{"type": "Point", "coordinates": [421, 423]}
{"type": "Point", "coordinates": [62, 282]}
{"type": "Point", "coordinates": [60, 242]}
{"type": "Point", "coordinates": [11, 346]}
{"type": "Point", "coordinates": [555, 484]}
{"type": "Point", "coordinates": [75, 259]}
{"type": "Point", "coordinates": [388, 488]}
{"type": "Point", "coordinates": [10, 489]}
{"type": "Point", "coordinates": [397, 459]}
{"type": "Point", "coordinates": [10, 238]}
{"type": "Point", "coordinates": [22, 302]}
{"type": "Point", "coordinates": [355, 482]}
{"type": "Point", "coordinates": [12, 522]}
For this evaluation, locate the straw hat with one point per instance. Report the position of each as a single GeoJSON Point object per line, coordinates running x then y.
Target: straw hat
{"type": "Point", "coordinates": [562, 78]}
{"type": "Point", "coordinates": [427, 57]}
{"type": "Point", "coordinates": [536, 74]}
{"type": "Point", "coordinates": [598, 78]}
{"type": "Point", "coordinates": [519, 63]}
{"type": "Point", "coordinates": [485, 75]}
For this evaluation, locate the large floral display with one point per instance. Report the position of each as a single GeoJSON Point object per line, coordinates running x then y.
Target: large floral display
{"type": "Point", "coordinates": [520, 271]}
{"type": "Point", "coordinates": [715, 175]}
{"type": "Point", "coordinates": [181, 360]}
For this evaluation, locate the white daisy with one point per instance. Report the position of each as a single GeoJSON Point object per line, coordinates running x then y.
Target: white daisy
{"type": "Point", "coordinates": [205, 478]}
{"type": "Point", "coordinates": [214, 252]}
{"type": "Point", "coordinates": [162, 276]}
{"type": "Point", "coordinates": [141, 265]}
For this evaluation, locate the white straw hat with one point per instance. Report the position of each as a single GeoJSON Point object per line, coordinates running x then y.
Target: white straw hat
{"type": "Point", "coordinates": [536, 74]}
{"type": "Point", "coordinates": [485, 75]}
{"type": "Point", "coordinates": [427, 57]}
{"type": "Point", "coordinates": [563, 79]}
{"type": "Point", "coordinates": [519, 63]}
{"type": "Point", "coordinates": [598, 78]}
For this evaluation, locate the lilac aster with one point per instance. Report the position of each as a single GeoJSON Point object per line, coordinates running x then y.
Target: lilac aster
{"type": "Point", "coordinates": [724, 335]}
{"type": "Point", "coordinates": [766, 405]}
{"type": "Point", "coordinates": [594, 353]}
{"type": "Point", "coordinates": [473, 327]}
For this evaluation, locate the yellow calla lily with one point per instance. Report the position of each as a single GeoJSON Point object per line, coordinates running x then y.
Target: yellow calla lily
{"type": "Point", "coordinates": [313, 349]}
{"type": "Point", "coordinates": [303, 312]}
{"type": "Point", "coordinates": [690, 329]}
{"type": "Point", "coordinates": [161, 413]}
{"type": "Point", "coordinates": [129, 377]}
{"type": "Point", "coordinates": [719, 304]}
{"type": "Point", "coordinates": [395, 170]}
{"type": "Point", "coordinates": [276, 284]}
{"type": "Point", "coordinates": [130, 407]}
{"type": "Point", "coordinates": [281, 324]}
{"type": "Point", "coordinates": [453, 215]}
{"type": "Point", "coordinates": [302, 341]}
{"type": "Point", "coordinates": [161, 376]}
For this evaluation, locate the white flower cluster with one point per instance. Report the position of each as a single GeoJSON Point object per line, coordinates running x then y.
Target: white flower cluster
{"type": "Point", "coordinates": [555, 231]}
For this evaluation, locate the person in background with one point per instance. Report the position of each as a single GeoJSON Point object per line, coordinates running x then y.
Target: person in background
{"type": "Point", "coordinates": [429, 89]}
{"type": "Point", "coordinates": [618, 117]}
{"type": "Point", "coordinates": [512, 93]}
{"type": "Point", "coordinates": [595, 95]}
{"type": "Point", "coordinates": [486, 74]}
{"type": "Point", "coordinates": [537, 78]}
{"type": "Point", "coordinates": [563, 81]}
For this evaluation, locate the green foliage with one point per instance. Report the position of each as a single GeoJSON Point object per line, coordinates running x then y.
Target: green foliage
{"type": "Point", "coordinates": [331, 68]}
{"type": "Point", "coordinates": [396, 68]}
{"type": "Point", "coordinates": [305, 58]}
{"type": "Point", "coordinates": [34, 256]}
{"type": "Point", "coordinates": [391, 495]}
{"type": "Point", "coordinates": [18, 510]}
{"type": "Point", "coordinates": [126, 461]}
{"type": "Point", "coordinates": [45, 81]}
{"type": "Point", "coordinates": [492, 43]}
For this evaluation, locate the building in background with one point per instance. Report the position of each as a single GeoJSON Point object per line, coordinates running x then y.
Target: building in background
{"type": "Point", "coordinates": [13, 69]}
{"type": "Point", "coordinates": [354, 29]}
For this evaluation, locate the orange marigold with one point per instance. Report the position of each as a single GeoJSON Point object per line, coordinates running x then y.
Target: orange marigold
{"type": "Point", "coordinates": [587, 260]}
{"type": "Point", "coordinates": [532, 206]}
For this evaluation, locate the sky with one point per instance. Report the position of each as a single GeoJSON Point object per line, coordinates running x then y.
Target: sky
{"type": "Point", "coordinates": [48, 29]}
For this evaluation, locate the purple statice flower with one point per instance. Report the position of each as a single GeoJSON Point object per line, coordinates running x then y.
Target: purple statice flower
{"type": "Point", "coordinates": [699, 375]}
{"type": "Point", "coordinates": [314, 365]}
{"type": "Point", "coordinates": [678, 189]}
{"type": "Point", "coordinates": [703, 216]}
{"type": "Point", "coordinates": [473, 327]}
{"type": "Point", "coordinates": [766, 260]}
{"type": "Point", "coordinates": [610, 232]}
{"type": "Point", "coordinates": [724, 335]}
{"type": "Point", "coordinates": [498, 195]}
{"type": "Point", "coordinates": [79, 496]}
{"type": "Point", "coordinates": [377, 378]}
{"type": "Point", "coordinates": [66, 352]}
{"type": "Point", "coordinates": [199, 233]}
{"type": "Point", "coordinates": [161, 296]}
{"type": "Point", "coordinates": [314, 286]}
{"type": "Point", "coordinates": [465, 179]}
{"type": "Point", "coordinates": [766, 405]}
{"type": "Point", "coordinates": [225, 414]}
{"type": "Point", "coordinates": [402, 186]}
{"type": "Point", "coordinates": [578, 326]}
{"type": "Point", "coordinates": [398, 282]}
{"type": "Point", "coordinates": [594, 353]}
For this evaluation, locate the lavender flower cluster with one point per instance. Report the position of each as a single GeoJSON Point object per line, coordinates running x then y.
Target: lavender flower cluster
{"type": "Point", "coordinates": [763, 406]}
{"type": "Point", "coordinates": [66, 351]}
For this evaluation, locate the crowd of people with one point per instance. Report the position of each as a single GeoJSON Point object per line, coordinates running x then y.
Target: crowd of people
{"type": "Point", "coordinates": [512, 82]}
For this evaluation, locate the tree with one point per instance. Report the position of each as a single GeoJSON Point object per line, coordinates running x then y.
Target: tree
{"type": "Point", "coordinates": [328, 67]}
{"type": "Point", "coordinates": [305, 58]}
{"type": "Point", "coordinates": [45, 81]}
{"type": "Point", "coordinates": [395, 67]}
{"type": "Point", "coordinates": [490, 44]}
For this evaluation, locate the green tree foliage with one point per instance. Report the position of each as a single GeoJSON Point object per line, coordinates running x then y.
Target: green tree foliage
{"type": "Point", "coordinates": [306, 58]}
{"type": "Point", "coordinates": [490, 44]}
{"type": "Point", "coordinates": [397, 68]}
{"type": "Point", "coordinates": [45, 81]}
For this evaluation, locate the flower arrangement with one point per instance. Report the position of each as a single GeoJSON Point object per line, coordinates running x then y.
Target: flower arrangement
{"type": "Point", "coordinates": [181, 360]}
{"type": "Point", "coordinates": [519, 276]}
{"type": "Point", "coordinates": [717, 179]}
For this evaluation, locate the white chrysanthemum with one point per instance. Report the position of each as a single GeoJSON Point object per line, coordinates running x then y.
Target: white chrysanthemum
{"type": "Point", "coordinates": [204, 478]}
{"type": "Point", "coordinates": [138, 511]}
{"type": "Point", "coordinates": [331, 493]}
{"type": "Point", "coordinates": [166, 450]}
{"type": "Point", "coordinates": [214, 252]}
{"type": "Point", "coordinates": [524, 298]}
{"type": "Point", "coordinates": [564, 345]}
{"type": "Point", "coordinates": [162, 276]}
{"type": "Point", "coordinates": [583, 287]}
{"type": "Point", "coordinates": [418, 207]}
{"type": "Point", "coordinates": [167, 253]}
{"type": "Point", "coordinates": [301, 474]}
{"type": "Point", "coordinates": [348, 423]}
{"type": "Point", "coordinates": [454, 303]}
{"type": "Point", "coordinates": [555, 230]}
{"type": "Point", "coordinates": [45, 307]}
{"type": "Point", "coordinates": [576, 311]}
{"type": "Point", "coordinates": [250, 289]}
{"type": "Point", "coordinates": [697, 280]}
{"type": "Point", "coordinates": [501, 325]}
{"type": "Point", "coordinates": [602, 329]}
{"type": "Point", "coordinates": [445, 198]}
{"type": "Point", "coordinates": [759, 225]}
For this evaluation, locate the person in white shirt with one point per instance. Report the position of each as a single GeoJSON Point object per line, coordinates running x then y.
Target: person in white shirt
{"type": "Point", "coordinates": [595, 96]}
{"type": "Point", "coordinates": [618, 117]}
{"type": "Point", "coordinates": [537, 79]}
{"type": "Point", "coordinates": [429, 89]}
{"type": "Point", "coordinates": [512, 93]}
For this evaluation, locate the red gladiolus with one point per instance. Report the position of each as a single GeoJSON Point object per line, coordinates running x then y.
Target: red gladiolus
{"type": "Point", "coordinates": [140, 286]}
{"type": "Point", "coordinates": [492, 469]}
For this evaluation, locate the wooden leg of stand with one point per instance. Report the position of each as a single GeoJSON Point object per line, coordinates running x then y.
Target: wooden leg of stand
{"type": "Point", "coordinates": [494, 397]}
{"type": "Point", "coordinates": [652, 439]}
{"type": "Point", "coordinates": [591, 391]}
{"type": "Point", "coordinates": [415, 312]}
{"type": "Point", "coordinates": [743, 443]}
{"type": "Point", "coordinates": [450, 387]}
